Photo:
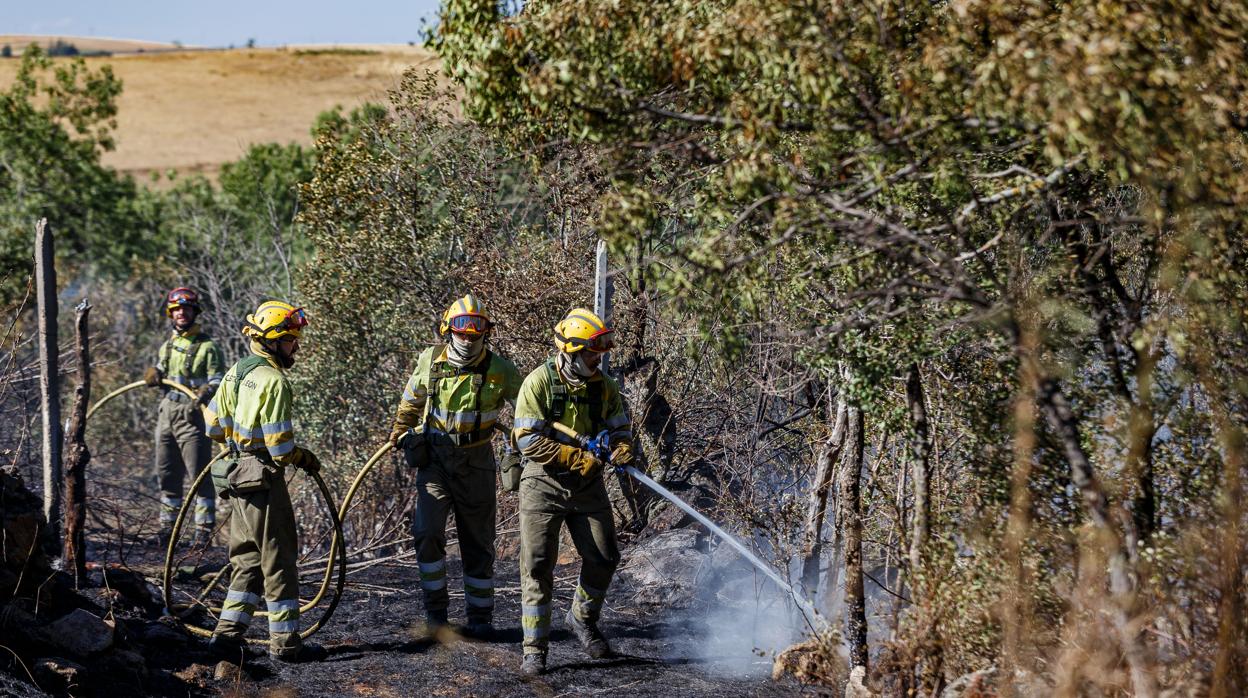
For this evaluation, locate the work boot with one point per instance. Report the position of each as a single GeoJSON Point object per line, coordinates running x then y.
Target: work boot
{"type": "Point", "coordinates": [436, 624]}
{"type": "Point", "coordinates": [534, 664]}
{"type": "Point", "coordinates": [479, 629]}
{"type": "Point", "coordinates": [435, 619]}
{"type": "Point", "coordinates": [230, 649]}
{"type": "Point", "coordinates": [203, 537]}
{"type": "Point", "coordinates": [306, 652]}
{"type": "Point", "coordinates": [162, 537]}
{"type": "Point", "coordinates": [590, 636]}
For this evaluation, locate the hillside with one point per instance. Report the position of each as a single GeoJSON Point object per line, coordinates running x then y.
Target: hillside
{"type": "Point", "coordinates": [191, 111]}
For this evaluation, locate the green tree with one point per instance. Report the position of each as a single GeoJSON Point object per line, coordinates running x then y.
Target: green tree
{"type": "Point", "coordinates": [55, 121]}
{"type": "Point", "coordinates": [1057, 188]}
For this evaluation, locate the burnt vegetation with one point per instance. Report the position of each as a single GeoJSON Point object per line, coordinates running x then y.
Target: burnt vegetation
{"type": "Point", "coordinates": [939, 307]}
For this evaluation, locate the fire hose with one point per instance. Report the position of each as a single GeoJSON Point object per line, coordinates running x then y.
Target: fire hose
{"type": "Point", "coordinates": [336, 549]}
{"type": "Point", "coordinates": [600, 447]}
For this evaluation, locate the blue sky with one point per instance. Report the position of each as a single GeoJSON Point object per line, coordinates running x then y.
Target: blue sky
{"type": "Point", "coordinates": [223, 22]}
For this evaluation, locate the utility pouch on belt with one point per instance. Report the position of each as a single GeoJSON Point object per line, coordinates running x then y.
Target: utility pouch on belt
{"type": "Point", "coordinates": [220, 472]}
{"type": "Point", "coordinates": [249, 476]}
{"type": "Point", "coordinates": [416, 450]}
{"type": "Point", "coordinates": [509, 472]}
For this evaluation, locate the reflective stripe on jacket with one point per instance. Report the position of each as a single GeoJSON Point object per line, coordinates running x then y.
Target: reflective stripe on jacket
{"type": "Point", "coordinates": [455, 407]}
{"type": "Point", "coordinates": [256, 413]}
{"type": "Point", "coordinates": [534, 410]}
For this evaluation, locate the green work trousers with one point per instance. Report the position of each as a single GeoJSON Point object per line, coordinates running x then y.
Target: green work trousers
{"type": "Point", "coordinates": [264, 547]}
{"type": "Point", "coordinates": [459, 480]}
{"type": "Point", "coordinates": [547, 501]}
{"type": "Point", "coordinates": [181, 448]}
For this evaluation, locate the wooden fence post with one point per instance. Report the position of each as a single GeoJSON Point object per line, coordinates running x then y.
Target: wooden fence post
{"type": "Point", "coordinates": [49, 375]}
{"type": "Point", "coordinates": [77, 455]}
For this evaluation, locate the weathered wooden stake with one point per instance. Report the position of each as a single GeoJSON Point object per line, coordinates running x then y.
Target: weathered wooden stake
{"type": "Point", "coordinates": [78, 456]}
{"type": "Point", "coordinates": [49, 376]}
{"type": "Point", "coordinates": [602, 294]}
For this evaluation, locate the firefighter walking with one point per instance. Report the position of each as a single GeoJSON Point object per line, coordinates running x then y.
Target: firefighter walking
{"type": "Point", "coordinates": [191, 358]}
{"type": "Point", "coordinates": [562, 483]}
{"type": "Point", "coordinates": [444, 422]}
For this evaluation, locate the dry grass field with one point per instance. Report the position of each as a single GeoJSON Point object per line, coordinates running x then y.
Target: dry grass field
{"type": "Point", "coordinates": [193, 110]}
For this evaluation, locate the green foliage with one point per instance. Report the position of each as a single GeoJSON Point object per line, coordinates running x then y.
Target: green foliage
{"type": "Point", "coordinates": [976, 187]}
{"type": "Point", "coordinates": [55, 120]}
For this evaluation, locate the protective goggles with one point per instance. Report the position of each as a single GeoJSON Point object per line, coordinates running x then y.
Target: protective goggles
{"type": "Point", "coordinates": [469, 324]}
{"type": "Point", "coordinates": [179, 297]}
{"type": "Point", "coordinates": [599, 342]}
{"type": "Point", "coordinates": [295, 320]}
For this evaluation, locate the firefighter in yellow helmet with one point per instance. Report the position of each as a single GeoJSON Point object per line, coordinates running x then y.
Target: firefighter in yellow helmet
{"type": "Point", "coordinates": [562, 483]}
{"type": "Point", "coordinates": [191, 358]}
{"type": "Point", "coordinates": [251, 415]}
{"type": "Point", "coordinates": [444, 423]}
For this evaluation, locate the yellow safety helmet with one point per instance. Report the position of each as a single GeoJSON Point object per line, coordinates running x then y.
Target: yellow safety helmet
{"type": "Point", "coordinates": [275, 320]}
{"type": "Point", "coordinates": [465, 316]}
{"type": "Point", "coordinates": [582, 329]}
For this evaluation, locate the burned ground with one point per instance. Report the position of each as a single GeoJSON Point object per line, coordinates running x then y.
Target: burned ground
{"type": "Point", "coordinates": [376, 639]}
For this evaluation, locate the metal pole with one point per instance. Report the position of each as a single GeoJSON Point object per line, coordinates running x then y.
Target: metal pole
{"type": "Point", "coordinates": [602, 295]}
{"type": "Point", "coordinates": [49, 375]}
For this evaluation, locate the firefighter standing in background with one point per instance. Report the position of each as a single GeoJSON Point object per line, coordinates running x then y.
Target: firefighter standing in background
{"type": "Point", "coordinates": [190, 358]}
{"type": "Point", "coordinates": [562, 483]}
{"type": "Point", "coordinates": [444, 423]}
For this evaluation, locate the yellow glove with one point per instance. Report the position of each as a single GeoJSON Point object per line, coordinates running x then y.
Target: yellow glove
{"type": "Point", "coordinates": [305, 460]}
{"type": "Point", "coordinates": [152, 376]}
{"type": "Point", "coordinates": [583, 462]}
{"type": "Point", "coordinates": [622, 454]}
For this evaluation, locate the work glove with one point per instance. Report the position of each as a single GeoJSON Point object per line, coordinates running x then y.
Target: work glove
{"type": "Point", "coordinates": [585, 464]}
{"type": "Point", "coordinates": [622, 455]}
{"type": "Point", "coordinates": [153, 376]}
{"type": "Point", "coordinates": [305, 460]}
{"type": "Point", "coordinates": [204, 395]}
{"type": "Point", "coordinates": [396, 436]}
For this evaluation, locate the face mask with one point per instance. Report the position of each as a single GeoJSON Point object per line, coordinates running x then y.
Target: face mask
{"type": "Point", "coordinates": [580, 367]}
{"type": "Point", "coordinates": [464, 350]}
{"type": "Point", "coordinates": [573, 369]}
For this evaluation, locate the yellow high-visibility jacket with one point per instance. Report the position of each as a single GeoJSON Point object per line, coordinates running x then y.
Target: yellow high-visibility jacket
{"type": "Point", "coordinates": [255, 414]}
{"type": "Point", "coordinates": [191, 358]}
{"type": "Point", "coordinates": [455, 405]}
{"type": "Point", "coordinates": [540, 401]}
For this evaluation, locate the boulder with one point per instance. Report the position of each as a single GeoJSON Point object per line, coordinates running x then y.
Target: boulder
{"type": "Point", "coordinates": [163, 634]}
{"type": "Point", "coordinates": [80, 633]}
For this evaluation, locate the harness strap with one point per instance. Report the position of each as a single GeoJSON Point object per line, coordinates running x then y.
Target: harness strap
{"type": "Point", "coordinates": [559, 399]}
{"type": "Point", "coordinates": [478, 373]}
{"type": "Point", "coordinates": [244, 366]}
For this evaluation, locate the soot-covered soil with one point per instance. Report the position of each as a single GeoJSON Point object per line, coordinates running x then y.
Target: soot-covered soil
{"type": "Point", "coordinates": [378, 646]}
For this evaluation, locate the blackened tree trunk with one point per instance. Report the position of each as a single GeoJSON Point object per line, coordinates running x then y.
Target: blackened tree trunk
{"type": "Point", "coordinates": [850, 493]}
{"type": "Point", "coordinates": [921, 453]}
{"type": "Point", "coordinates": [77, 455]}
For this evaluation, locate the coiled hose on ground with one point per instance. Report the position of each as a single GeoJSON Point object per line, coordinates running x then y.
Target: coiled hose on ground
{"type": "Point", "coordinates": [337, 548]}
